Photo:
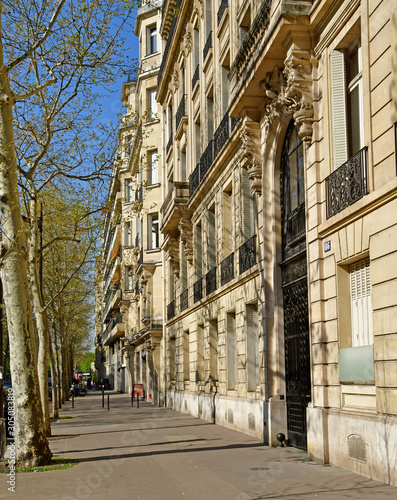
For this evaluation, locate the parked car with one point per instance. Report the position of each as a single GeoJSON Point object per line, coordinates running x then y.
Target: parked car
{"type": "Point", "coordinates": [103, 382]}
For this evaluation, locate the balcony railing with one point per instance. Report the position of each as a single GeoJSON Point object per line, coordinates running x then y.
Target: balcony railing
{"type": "Point", "coordinates": [227, 269]}
{"type": "Point", "coordinates": [184, 300]}
{"type": "Point", "coordinates": [207, 46]}
{"type": "Point", "coordinates": [207, 159]}
{"type": "Point", "coordinates": [196, 76]}
{"type": "Point", "coordinates": [221, 135]}
{"type": "Point", "coordinates": [198, 290]}
{"type": "Point", "coordinates": [253, 39]}
{"type": "Point", "coordinates": [181, 111]}
{"type": "Point", "coordinates": [167, 201]}
{"type": "Point", "coordinates": [210, 154]}
{"type": "Point", "coordinates": [169, 143]}
{"type": "Point", "coordinates": [347, 184]}
{"type": "Point", "coordinates": [247, 254]}
{"type": "Point", "coordinates": [170, 310]}
{"type": "Point", "coordinates": [223, 6]}
{"type": "Point", "coordinates": [210, 281]}
{"type": "Point", "coordinates": [194, 180]}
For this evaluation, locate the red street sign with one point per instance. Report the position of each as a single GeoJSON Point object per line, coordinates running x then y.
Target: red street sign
{"type": "Point", "coordinates": [138, 391]}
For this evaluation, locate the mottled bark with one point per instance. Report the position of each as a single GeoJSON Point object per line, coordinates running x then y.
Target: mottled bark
{"type": "Point", "coordinates": [39, 310]}
{"type": "Point", "coordinates": [31, 439]}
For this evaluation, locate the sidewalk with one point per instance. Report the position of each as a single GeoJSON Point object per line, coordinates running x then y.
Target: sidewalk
{"type": "Point", "coordinates": [153, 453]}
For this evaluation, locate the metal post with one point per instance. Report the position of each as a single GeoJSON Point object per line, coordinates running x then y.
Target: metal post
{"type": "Point", "coordinates": [72, 399]}
{"type": "Point", "coordinates": [132, 397]}
{"type": "Point", "coordinates": [108, 402]}
{"type": "Point", "coordinates": [137, 399]}
{"type": "Point", "coordinates": [103, 397]}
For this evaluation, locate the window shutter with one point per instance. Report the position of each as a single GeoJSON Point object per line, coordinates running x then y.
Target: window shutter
{"type": "Point", "coordinates": [247, 205]}
{"type": "Point", "coordinates": [199, 253]}
{"type": "Point", "coordinates": [211, 240]}
{"type": "Point", "coordinates": [338, 104]}
{"type": "Point", "coordinates": [361, 304]}
{"type": "Point", "coordinates": [225, 89]}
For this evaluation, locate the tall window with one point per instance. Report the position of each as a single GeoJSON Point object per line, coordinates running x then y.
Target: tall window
{"type": "Point", "coordinates": [152, 39]}
{"type": "Point", "coordinates": [361, 304]}
{"type": "Point", "coordinates": [152, 104]}
{"type": "Point", "coordinates": [127, 234]}
{"type": "Point", "coordinates": [252, 335]}
{"type": "Point", "coordinates": [210, 118]}
{"type": "Point", "coordinates": [346, 103]}
{"type": "Point", "coordinates": [154, 235]}
{"type": "Point", "coordinates": [128, 190]}
{"type": "Point", "coordinates": [129, 278]}
{"type": "Point", "coordinates": [200, 353]}
{"type": "Point", "coordinates": [231, 350]}
{"type": "Point", "coordinates": [153, 174]}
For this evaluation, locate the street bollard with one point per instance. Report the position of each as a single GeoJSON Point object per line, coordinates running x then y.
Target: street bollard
{"type": "Point", "coordinates": [72, 400]}
{"type": "Point", "coordinates": [137, 400]}
{"type": "Point", "coordinates": [132, 398]}
{"type": "Point", "coordinates": [103, 397]}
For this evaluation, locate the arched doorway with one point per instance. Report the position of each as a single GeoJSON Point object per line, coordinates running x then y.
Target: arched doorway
{"type": "Point", "coordinates": [294, 276]}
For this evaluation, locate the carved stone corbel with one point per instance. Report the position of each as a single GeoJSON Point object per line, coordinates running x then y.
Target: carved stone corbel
{"type": "Point", "coordinates": [199, 8]}
{"type": "Point", "coordinates": [290, 93]}
{"type": "Point", "coordinates": [188, 41]}
{"type": "Point", "coordinates": [186, 232]}
{"type": "Point", "coordinates": [172, 247]}
{"type": "Point", "coordinates": [298, 91]}
{"type": "Point", "coordinates": [251, 153]}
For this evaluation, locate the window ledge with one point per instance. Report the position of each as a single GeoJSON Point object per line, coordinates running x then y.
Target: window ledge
{"type": "Point", "coordinates": [151, 122]}
{"type": "Point", "coordinates": [153, 250]}
{"type": "Point", "coordinates": [152, 186]}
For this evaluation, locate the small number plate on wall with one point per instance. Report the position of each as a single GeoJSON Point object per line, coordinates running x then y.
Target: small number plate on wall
{"type": "Point", "coordinates": [327, 246]}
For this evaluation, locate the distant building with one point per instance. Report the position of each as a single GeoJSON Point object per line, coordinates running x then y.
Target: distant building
{"type": "Point", "coordinates": [132, 322]}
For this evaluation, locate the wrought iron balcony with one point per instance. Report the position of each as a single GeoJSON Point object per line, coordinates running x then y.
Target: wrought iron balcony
{"type": "Point", "coordinates": [198, 290]}
{"type": "Point", "coordinates": [194, 180]}
{"type": "Point", "coordinates": [170, 310]}
{"type": "Point", "coordinates": [207, 46]}
{"type": "Point", "coordinates": [233, 123]}
{"type": "Point", "coordinates": [206, 159]}
{"type": "Point", "coordinates": [255, 35]}
{"type": "Point", "coordinates": [227, 269]}
{"type": "Point", "coordinates": [221, 135]}
{"type": "Point", "coordinates": [347, 184]}
{"type": "Point", "coordinates": [210, 281]}
{"type": "Point", "coordinates": [169, 143]}
{"type": "Point", "coordinates": [247, 254]}
{"type": "Point", "coordinates": [223, 6]}
{"type": "Point", "coordinates": [184, 300]}
{"type": "Point", "coordinates": [196, 76]}
{"type": "Point", "coordinates": [181, 111]}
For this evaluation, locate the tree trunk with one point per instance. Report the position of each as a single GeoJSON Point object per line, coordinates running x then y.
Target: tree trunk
{"type": "Point", "coordinates": [54, 378]}
{"type": "Point", "coordinates": [31, 439]}
{"type": "Point", "coordinates": [39, 311]}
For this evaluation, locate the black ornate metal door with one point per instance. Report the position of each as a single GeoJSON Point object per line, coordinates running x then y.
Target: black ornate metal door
{"type": "Point", "coordinates": [297, 360]}
{"type": "Point", "coordinates": [295, 298]}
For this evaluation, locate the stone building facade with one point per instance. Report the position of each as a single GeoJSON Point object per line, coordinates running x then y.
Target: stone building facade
{"type": "Point", "coordinates": [256, 211]}
{"type": "Point", "coordinates": [132, 323]}
{"type": "Point", "coordinates": [279, 221]}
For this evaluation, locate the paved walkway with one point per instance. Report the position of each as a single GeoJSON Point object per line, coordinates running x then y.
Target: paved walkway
{"type": "Point", "coordinates": [153, 453]}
